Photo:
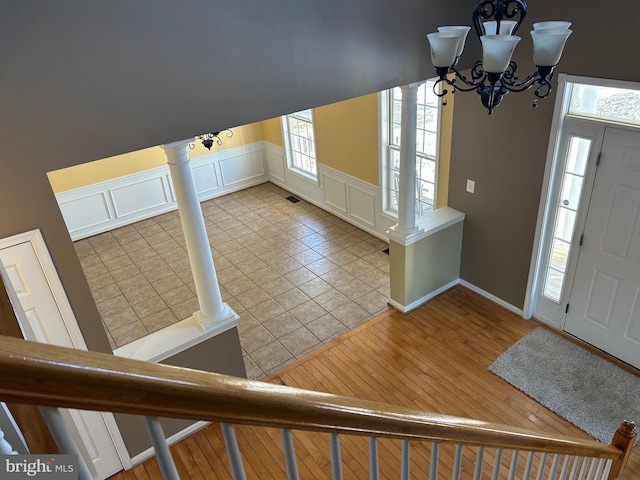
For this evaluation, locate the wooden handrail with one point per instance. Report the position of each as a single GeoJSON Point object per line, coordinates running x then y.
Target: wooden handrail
{"type": "Point", "coordinates": [48, 375]}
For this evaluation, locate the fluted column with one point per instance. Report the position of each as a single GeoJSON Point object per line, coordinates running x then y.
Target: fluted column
{"type": "Point", "coordinates": [212, 309]}
{"type": "Point", "coordinates": [407, 181]}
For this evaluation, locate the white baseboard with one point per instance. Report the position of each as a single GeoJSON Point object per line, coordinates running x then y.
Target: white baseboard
{"type": "Point", "coordinates": [175, 438]}
{"type": "Point", "coordinates": [423, 300]}
{"type": "Point", "coordinates": [108, 205]}
{"type": "Point", "coordinates": [470, 286]}
{"type": "Point", "coordinates": [493, 298]}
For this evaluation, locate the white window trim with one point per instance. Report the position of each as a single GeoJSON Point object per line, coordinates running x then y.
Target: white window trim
{"type": "Point", "coordinates": [287, 147]}
{"type": "Point", "coordinates": [383, 152]}
{"type": "Point", "coordinates": [384, 128]}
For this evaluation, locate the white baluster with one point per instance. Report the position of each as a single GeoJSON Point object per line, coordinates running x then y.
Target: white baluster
{"type": "Point", "coordinates": [514, 465]}
{"type": "Point", "coordinates": [576, 468]}
{"type": "Point", "coordinates": [336, 461]}
{"type": "Point", "coordinates": [433, 471]}
{"type": "Point", "coordinates": [161, 447]}
{"type": "Point", "coordinates": [592, 469]}
{"type": "Point", "coordinates": [405, 463]}
{"type": "Point", "coordinates": [373, 459]}
{"type": "Point", "coordinates": [607, 468]}
{"type": "Point", "coordinates": [233, 452]}
{"type": "Point", "coordinates": [554, 466]}
{"type": "Point", "coordinates": [64, 440]}
{"type": "Point", "coordinates": [477, 473]}
{"type": "Point", "coordinates": [289, 454]}
{"type": "Point", "coordinates": [5, 447]}
{"type": "Point", "coordinates": [457, 461]}
{"type": "Point", "coordinates": [599, 469]}
{"type": "Point", "coordinates": [583, 470]}
{"type": "Point", "coordinates": [497, 463]}
{"type": "Point", "coordinates": [527, 469]}
{"type": "Point", "coordinates": [542, 466]}
{"type": "Point", "coordinates": [565, 467]}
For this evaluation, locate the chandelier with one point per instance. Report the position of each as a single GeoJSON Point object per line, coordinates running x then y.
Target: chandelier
{"type": "Point", "coordinates": [496, 23]}
{"type": "Point", "coordinates": [209, 138]}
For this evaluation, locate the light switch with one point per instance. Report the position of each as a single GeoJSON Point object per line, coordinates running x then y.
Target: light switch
{"type": "Point", "coordinates": [471, 186]}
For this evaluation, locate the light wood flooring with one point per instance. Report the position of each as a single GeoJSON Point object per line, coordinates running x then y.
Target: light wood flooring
{"type": "Point", "coordinates": [436, 358]}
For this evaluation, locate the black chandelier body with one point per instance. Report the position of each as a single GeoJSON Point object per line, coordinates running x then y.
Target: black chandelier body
{"type": "Point", "coordinates": [208, 139]}
{"type": "Point", "coordinates": [504, 17]}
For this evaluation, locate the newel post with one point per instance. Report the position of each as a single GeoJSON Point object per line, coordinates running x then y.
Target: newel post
{"type": "Point", "coordinates": [623, 439]}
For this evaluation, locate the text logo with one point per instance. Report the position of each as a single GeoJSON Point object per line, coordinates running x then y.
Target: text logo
{"type": "Point", "coordinates": [51, 467]}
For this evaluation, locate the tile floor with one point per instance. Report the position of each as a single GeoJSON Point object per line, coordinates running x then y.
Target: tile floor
{"type": "Point", "coordinates": [297, 275]}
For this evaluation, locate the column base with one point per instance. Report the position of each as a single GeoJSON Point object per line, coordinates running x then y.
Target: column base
{"type": "Point", "coordinates": [227, 315]}
{"type": "Point", "coordinates": [402, 234]}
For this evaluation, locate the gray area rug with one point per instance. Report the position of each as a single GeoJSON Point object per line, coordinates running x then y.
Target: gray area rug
{"type": "Point", "coordinates": [590, 392]}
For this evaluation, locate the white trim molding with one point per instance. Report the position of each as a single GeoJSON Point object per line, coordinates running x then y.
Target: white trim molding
{"type": "Point", "coordinates": [175, 338]}
{"type": "Point", "coordinates": [427, 225]}
{"type": "Point", "coordinates": [103, 206]}
{"type": "Point", "coordinates": [423, 300]}
{"type": "Point", "coordinates": [492, 297]}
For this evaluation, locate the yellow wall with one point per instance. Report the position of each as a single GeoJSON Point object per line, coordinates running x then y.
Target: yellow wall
{"type": "Point", "coordinates": [272, 131]}
{"type": "Point", "coordinates": [347, 137]}
{"type": "Point", "coordinates": [139, 161]}
{"type": "Point", "coordinates": [444, 153]}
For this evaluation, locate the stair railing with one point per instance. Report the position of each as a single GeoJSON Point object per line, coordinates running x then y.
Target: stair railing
{"type": "Point", "coordinates": [52, 376]}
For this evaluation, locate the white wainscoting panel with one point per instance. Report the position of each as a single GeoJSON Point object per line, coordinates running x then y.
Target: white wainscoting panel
{"type": "Point", "coordinates": [135, 197]}
{"type": "Point", "coordinates": [347, 197]}
{"type": "Point", "coordinates": [107, 205]}
{"type": "Point", "coordinates": [85, 211]}
{"type": "Point", "coordinates": [275, 162]}
{"type": "Point", "coordinates": [242, 168]}
{"type": "Point", "coordinates": [363, 205]}
{"type": "Point", "coordinates": [335, 192]}
{"type": "Point", "coordinates": [205, 178]}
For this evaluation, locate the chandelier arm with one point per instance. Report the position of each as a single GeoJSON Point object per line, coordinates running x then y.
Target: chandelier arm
{"type": "Point", "coordinates": [478, 76]}
{"type": "Point", "coordinates": [545, 87]}
{"type": "Point", "coordinates": [444, 91]}
{"type": "Point", "coordinates": [526, 84]}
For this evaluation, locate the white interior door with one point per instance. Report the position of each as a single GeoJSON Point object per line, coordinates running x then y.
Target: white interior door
{"type": "Point", "coordinates": [51, 320]}
{"type": "Point", "coordinates": [604, 306]}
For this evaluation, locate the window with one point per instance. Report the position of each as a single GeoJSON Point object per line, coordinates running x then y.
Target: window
{"type": "Point", "coordinates": [300, 143]}
{"type": "Point", "coordinates": [427, 125]}
{"type": "Point", "coordinates": [607, 103]}
{"type": "Point", "coordinates": [566, 211]}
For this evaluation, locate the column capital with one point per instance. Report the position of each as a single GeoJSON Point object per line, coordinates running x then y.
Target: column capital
{"type": "Point", "coordinates": [177, 145]}
{"type": "Point", "coordinates": [177, 152]}
{"type": "Point", "coordinates": [411, 86]}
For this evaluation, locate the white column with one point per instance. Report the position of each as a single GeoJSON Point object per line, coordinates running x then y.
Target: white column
{"type": "Point", "coordinates": [212, 309]}
{"type": "Point", "coordinates": [407, 181]}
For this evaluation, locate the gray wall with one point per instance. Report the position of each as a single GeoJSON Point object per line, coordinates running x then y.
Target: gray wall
{"type": "Point", "coordinates": [506, 152]}
{"type": "Point", "coordinates": [221, 354]}
{"type": "Point", "coordinates": [87, 80]}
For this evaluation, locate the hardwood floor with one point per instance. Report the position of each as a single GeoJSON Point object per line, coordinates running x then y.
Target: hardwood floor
{"type": "Point", "coordinates": [436, 358]}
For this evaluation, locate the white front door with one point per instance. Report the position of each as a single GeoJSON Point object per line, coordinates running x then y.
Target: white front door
{"type": "Point", "coordinates": [51, 320]}
{"type": "Point", "coordinates": [604, 305]}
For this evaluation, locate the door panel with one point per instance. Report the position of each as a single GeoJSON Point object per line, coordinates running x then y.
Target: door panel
{"type": "Point", "coordinates": [603, 307]}
{"type": "Point", "coordinates": [47, 325]}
